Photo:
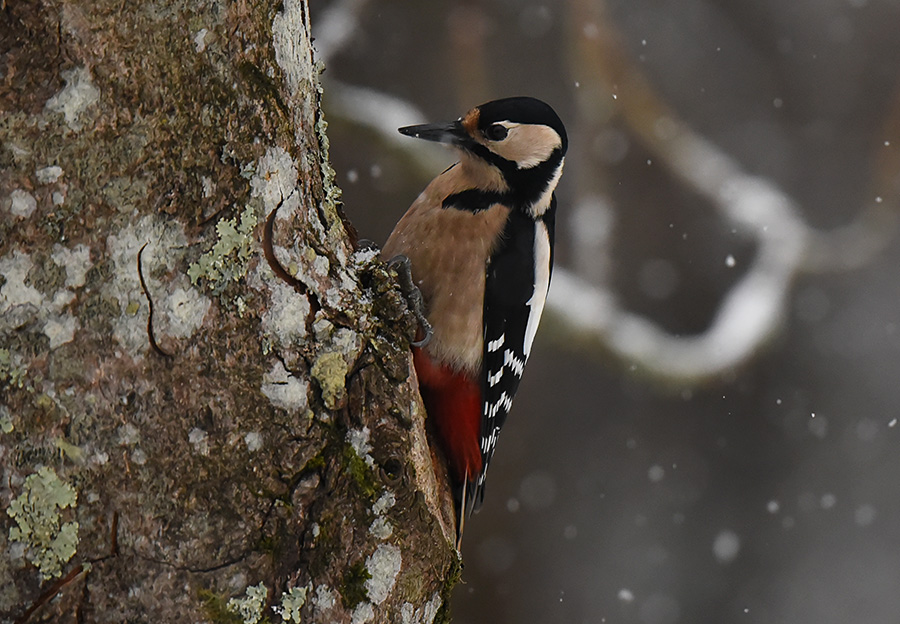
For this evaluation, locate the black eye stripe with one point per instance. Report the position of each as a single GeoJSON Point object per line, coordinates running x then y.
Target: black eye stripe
{"type": "Point", "coordinates": [496, 132]}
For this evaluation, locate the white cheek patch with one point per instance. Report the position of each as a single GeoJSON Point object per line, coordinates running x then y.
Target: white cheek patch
{"type": "Point", "coordinates": [528, 145]}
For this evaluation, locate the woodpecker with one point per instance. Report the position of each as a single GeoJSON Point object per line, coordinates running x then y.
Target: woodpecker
{"type": "Point", "coordinates": [479, 244]}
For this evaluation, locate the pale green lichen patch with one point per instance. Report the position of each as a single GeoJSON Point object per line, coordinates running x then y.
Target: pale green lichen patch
{"type": "Point", "coordinates": [250, 606]}
{"type": "Point", "coordinates": [70, 451]}
{"type": "Point", "coordinates": [330, 371]}
{"type": "Point", "coordinates": [273, 180]}
{"type": "Point", "coordinates": [6, 422]}
{"type": "Point", "coordinates": [340, 349]}
{"type": "Point", "coordinates": [229, 257]}
{"type": "Point", "coordinates": [49, 542]}
{"type": "Point", "coordinates": [12, 370]}
{"type": "Point", "coordinates": [333, 192]}
{"type": "Point", "coordinates": [291, 603]}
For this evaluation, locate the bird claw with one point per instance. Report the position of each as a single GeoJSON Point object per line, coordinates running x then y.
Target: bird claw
{"type": "Point", "coordinates": [413, 295]}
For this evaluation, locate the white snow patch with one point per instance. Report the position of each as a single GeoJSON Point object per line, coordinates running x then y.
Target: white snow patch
{"type": "Point", "coordinates": [49, 175]}
{"type": "Point", "coordinates": [22, 203]}
{"type": "Point", "coordinates": [284, 390]}
{"type": "Point", "coordinates": [75, 98]}
{"type": "Point", "coordinates": [626, 595]}
{"type": "Point", "coordinates": [383, 565]}
{"type": "Point", "coordinates": [61, 330]}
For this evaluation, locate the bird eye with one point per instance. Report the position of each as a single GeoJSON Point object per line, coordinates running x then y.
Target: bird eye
{"type": "Point", "coordinates": [496, 132]}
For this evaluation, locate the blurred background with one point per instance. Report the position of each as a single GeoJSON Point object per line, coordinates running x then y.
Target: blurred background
{"type": "Point", "coordinates": [707, 429]}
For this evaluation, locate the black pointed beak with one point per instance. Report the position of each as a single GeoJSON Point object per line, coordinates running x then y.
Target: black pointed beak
{"type": "Point", "coordinates": [452, 133]}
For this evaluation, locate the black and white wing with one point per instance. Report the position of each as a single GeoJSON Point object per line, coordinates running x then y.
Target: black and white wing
{"type": "Point", "coordinates": [518, 277]}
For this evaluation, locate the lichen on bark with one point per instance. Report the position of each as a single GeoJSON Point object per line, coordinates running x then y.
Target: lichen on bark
{"type": "Point", "coordinates": [206, 443]}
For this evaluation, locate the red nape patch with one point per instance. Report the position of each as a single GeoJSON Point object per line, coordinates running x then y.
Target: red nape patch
{"type": "Point", "coordinates": [453, 402]}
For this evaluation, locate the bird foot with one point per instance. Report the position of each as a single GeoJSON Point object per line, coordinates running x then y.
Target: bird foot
{"type": "Point", "coordinates": [413, 295]}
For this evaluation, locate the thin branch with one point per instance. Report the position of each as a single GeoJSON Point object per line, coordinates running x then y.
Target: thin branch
{"type": "Point", "coordinates": [756, 305]}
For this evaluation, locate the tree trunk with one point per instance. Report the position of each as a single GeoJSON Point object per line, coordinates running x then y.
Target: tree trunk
{"type": "Point", "coordinates": [207, 407]}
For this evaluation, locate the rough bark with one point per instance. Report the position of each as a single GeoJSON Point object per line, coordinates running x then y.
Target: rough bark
{"type": "Point", "coordinates": [249, 446]}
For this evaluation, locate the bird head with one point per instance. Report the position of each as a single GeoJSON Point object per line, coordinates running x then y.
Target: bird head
{"type": "Point", "coordinates": [521, 137]}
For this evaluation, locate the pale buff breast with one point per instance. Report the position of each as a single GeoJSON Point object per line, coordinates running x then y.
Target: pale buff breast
{"type": "Point", "coordinates": [449, 250]}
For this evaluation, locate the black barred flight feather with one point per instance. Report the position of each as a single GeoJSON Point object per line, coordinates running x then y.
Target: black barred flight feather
{"type": "Point", "coordinates": [513, 303]}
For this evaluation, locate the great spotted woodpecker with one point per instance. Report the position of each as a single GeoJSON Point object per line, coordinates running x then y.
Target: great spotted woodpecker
{"type": "Point", "coordinates": [479, 240]}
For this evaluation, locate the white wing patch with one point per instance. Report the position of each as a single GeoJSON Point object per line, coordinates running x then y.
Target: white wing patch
{"type": "Point", "coordinates": [493, 345]}
{"type": "Point", "coordinates": [513, 363]}
{"type": "Point", "coordinates": [541, 284]}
